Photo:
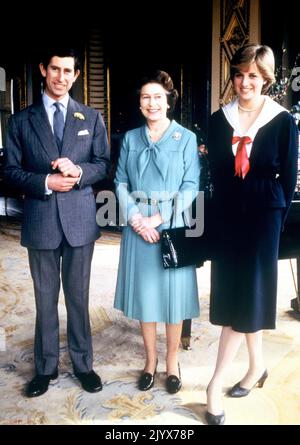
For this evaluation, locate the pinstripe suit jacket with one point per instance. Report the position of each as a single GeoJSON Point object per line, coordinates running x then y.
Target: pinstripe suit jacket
{"type": "Point", "coordinates": [30, 148]}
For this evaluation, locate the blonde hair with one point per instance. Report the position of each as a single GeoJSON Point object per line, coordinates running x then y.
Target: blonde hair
{"type": "Point", "coordinates": [262, 55]}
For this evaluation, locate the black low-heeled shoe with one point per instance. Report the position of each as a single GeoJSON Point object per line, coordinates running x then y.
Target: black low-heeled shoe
{"type": "Point", "coordinates": [211, 419]}
{"type": "Point", "coordinates": [173, 383]}
{"type": "Point", "coordinates": [146, 381]}
{"type": "Point", "coordinates": [90, 381]}
{"type": "Point", "coordinates": [39, 384]}
{"type": "Point", "coordinates": [238, 391]}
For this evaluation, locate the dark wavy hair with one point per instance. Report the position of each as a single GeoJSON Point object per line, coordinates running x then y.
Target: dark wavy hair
{"type": "Point", "coordinates": [165, 80]}
{"type": "Point", "coordinates": [60, 51]}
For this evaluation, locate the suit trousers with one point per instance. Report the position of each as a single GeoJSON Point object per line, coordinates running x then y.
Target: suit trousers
{"type": "Point", "coordinates": [72, 266]}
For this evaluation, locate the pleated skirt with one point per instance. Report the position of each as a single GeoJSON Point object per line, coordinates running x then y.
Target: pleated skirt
{"type": "Point", "coordinates": [147, 292]}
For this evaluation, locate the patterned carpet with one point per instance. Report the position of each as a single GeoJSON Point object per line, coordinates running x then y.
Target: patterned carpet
{"type": "Point", "coordinates": [118, 357]}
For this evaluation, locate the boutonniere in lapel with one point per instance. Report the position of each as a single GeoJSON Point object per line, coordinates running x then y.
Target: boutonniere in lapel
{"type": "Point", "coordinates": [79, 116]}
{"type": "Point", "coordinates": [176, 136]}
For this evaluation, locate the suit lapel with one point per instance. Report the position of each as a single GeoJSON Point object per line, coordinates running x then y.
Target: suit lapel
{"type": "Point", "coordinates": [40, 123]}
{"type": "Point", "coordinates": [71, 128]}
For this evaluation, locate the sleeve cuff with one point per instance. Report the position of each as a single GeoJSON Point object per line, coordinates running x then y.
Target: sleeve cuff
{"type": "Point", "coordinates": [47, 190]}
{"type": "Point", "coordinates": [80, 174]}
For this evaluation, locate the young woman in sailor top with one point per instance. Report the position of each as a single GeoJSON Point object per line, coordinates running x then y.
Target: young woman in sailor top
{"type": "Point", "coordinates": [252, 149]}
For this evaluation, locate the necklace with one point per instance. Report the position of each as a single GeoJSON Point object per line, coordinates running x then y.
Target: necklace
{"type": "Point", "coordinates": [249, 110]}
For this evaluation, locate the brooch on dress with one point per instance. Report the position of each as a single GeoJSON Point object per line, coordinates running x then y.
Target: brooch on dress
{"type": "Point", "coordinates": [176, 136]}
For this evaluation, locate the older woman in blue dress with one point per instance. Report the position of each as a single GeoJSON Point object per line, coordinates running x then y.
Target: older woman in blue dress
{"type": "Point", "coordinates": [158, 161]}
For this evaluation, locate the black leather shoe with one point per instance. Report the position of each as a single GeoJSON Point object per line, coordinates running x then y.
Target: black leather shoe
{"type": "Point", "coordinates": [90, 381]}
{"type": "Point", "coordinates": [239, 391]}
{"type": "Point", "coordinates": [173, 383]}
{"type": "Point", "coordinates": [39, 384]}
{"type": "Point", "coordinates": [146, 381]}
{"type": "Point", "coordinates": [211, 419]}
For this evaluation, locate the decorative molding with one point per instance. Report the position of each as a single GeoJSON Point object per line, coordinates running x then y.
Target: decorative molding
{"type": "Point", "coordinates": [235, 22]}
{"type": "Point", "coordinates": [234, 33]}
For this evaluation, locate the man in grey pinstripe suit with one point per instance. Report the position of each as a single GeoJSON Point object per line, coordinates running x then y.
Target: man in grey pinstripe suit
{"type": "Point", "coordinates": [59, 221]}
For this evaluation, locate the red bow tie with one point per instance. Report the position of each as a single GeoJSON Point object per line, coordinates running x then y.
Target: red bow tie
{"type": "Point", "coordinates": [242, 164]}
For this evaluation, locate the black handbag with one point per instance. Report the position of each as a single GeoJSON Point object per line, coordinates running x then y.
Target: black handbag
{"type": "Point", "coordinates": [179, 250]}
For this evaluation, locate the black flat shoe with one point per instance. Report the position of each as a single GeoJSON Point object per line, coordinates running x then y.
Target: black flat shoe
{"type": "Point", "coordinates": [39, 384]}
{"type": "Point", "coordinates": [239, 391]}
{"type": "Point", "coordinates": [146, 381]}
{"type": "Point", "coordinates": [173, 383]}
{"type": "Point", "coordinates": [211, 419]}
{"type": "Point", "coordinates": [90, 381]}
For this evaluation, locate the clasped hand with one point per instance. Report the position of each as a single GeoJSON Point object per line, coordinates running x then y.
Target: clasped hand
{"type": "Point", "coordinates": [67, 175]}
{"type": "Point", "coordinates": [145, 226]}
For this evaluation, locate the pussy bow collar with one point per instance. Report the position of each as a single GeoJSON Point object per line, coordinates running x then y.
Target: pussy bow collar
{"type": "Point", "coordinates": [157, 149]}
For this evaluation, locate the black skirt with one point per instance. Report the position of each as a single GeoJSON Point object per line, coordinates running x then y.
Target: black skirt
{"type": "Point", "coordinates": [244, 277]}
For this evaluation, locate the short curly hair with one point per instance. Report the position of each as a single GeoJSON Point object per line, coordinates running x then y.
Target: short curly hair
{"type": "Point", "coordinates": [165, 80]}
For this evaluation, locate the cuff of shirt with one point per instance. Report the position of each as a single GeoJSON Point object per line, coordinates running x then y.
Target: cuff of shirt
{"type": "Point", "coordinates": [80, 174]}
{"type": "Point", "coordinates": [47, 191]}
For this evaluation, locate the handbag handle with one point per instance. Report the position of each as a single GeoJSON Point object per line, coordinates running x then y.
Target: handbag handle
{"type": "Point", "coordinates": [173, 208]}
{"type": "Point", "coordinates": [172, 215]}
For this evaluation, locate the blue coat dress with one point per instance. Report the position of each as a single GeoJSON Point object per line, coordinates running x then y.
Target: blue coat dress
{"type": "Point", "coordinates": [145, 290]}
